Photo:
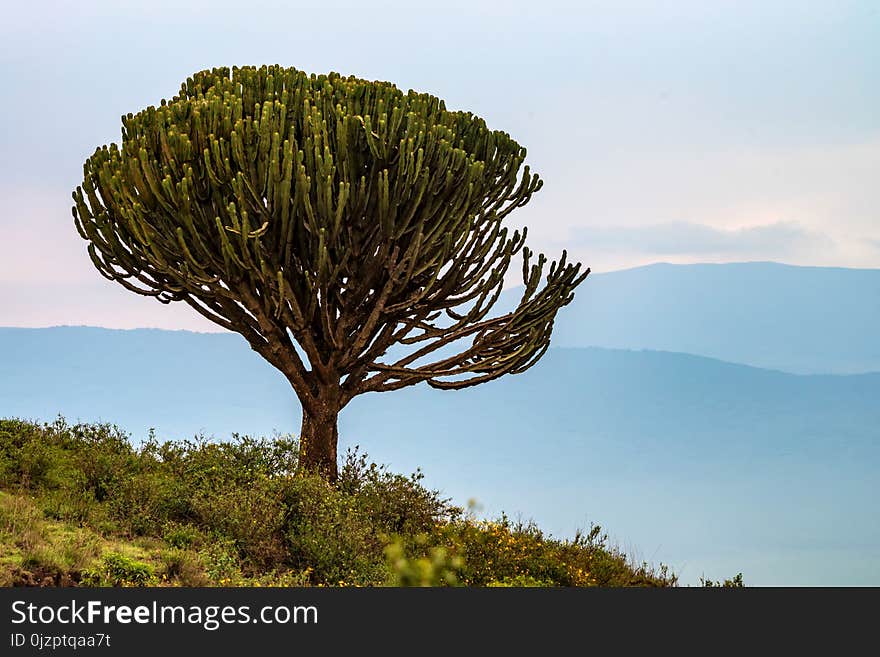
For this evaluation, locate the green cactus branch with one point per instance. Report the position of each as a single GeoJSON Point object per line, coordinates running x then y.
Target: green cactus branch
{"type": "Point", "coordinates": [331, 217]}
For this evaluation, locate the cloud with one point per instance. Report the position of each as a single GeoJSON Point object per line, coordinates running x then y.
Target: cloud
{"type": "Point", "coordinates": [775, 240]}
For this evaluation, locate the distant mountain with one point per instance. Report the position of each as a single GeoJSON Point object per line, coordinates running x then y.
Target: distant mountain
{"type": "Point", "coordinates": [795, 319]}
{"type": "Point", "coordinates": [709, 466]}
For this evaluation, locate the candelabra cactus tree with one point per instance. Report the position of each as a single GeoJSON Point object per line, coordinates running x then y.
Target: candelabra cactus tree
{"type": "Point", "coordinates": [352, 233]}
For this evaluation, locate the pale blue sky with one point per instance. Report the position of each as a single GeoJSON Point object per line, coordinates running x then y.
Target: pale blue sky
{"type": "Point", "coordinates": [679, 132]}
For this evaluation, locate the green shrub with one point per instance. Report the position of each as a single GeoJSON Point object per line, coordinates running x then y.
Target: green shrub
{"type": "Point", "coordinates": [184, 567]}
{"type": "Point", "coordinates": [329, 534]}
{"type": "Point", "coordinates": [178, 535]}
{"type": "Point", "coordinates": [736, 582]}
{"type": "Point", "coordinates": [145, 501]}
{"type": "Point", "coordinates": [119, 570]}
{"type": "Point", "coordinates": [222, 565]}
{"type": "Point", "coordinates": [393, 503]}
{"type": "Point", "coordinates": [520, 581]}
{"type": "Point", "coordinates": [437, 568]}
{"type": "Point", "coordinates": [252, 515]}
{"type": "Point", "coordinates": [21, 456]}
{"type": "Point", "coordinates": [71, 504]}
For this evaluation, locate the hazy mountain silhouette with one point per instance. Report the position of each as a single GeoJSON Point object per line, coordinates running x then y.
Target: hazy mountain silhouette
{"type": "Point", "coordinates": [795, 319]}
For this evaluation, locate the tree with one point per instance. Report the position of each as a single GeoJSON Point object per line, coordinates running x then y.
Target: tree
{"type": "Point", "coordinates": [352, 233]}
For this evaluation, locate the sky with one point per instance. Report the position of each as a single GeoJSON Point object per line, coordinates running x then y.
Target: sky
{"type": "Point", "coordinates": [678, 132]}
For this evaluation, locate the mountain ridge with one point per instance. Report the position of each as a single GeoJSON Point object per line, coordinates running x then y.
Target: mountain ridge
{"type": "Point", "coordinates": [229, 334]}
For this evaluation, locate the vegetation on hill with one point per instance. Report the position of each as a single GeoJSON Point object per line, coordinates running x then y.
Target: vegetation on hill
{"type": "Point", "coordinates": [80, 505]}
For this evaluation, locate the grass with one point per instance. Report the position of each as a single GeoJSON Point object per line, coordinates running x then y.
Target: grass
{"type": "Point", "coordinates": [41, 552]}
{"type": "Point", "coordinates": [80, 505]}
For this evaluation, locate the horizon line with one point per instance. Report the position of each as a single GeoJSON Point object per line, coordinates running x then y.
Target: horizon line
{"type": "Point", "coordinates": [631, 350]}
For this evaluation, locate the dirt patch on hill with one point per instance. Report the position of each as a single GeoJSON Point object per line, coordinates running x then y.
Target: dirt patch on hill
{"type": "Point", "coordinates": [44, 577]}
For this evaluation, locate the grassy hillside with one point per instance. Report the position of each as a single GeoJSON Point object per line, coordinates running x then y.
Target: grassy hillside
{"type": "Point", "coordinates": [79, 505]}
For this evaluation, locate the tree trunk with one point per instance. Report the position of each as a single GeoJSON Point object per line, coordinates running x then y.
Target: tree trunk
{"type": "Point", "coordinates": [317, 443]}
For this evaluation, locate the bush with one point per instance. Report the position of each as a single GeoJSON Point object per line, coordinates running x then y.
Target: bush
{"type": "Point", "coordinates": [183, 567]}
{"type": "Point", "coordinates": [23, 458]}
{"type": "Point", "coordinates": [438, 568]}
{"type": "Point", "coordinates": [119, 570]}
{"type": "Point", "coordinates": [330, 534]}
{"type": "Point", "coordinates": [736, 582]}
{"type": "Point", "coordinates": [392, 502]}
{"type": "Point", "coordinates": [222, 565]}
{"type": "Point", "coordinates": [253, 516]}
{"type": "Point", "coordinates": [181, 536]}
